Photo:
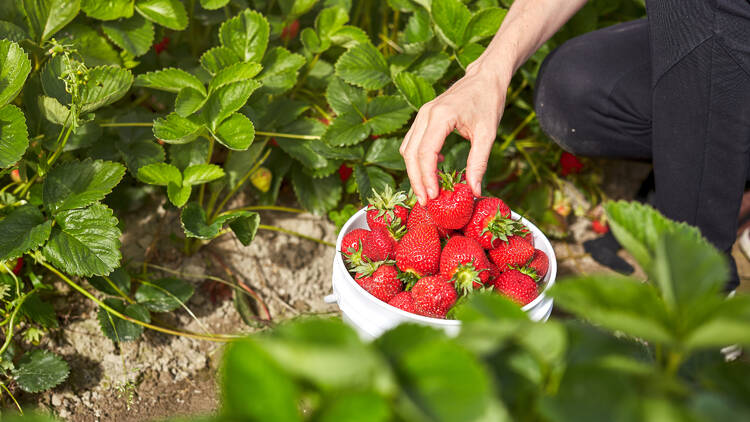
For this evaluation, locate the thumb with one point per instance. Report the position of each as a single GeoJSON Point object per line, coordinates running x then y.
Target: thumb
{"type": "Point", "coordinates": [476, 164]}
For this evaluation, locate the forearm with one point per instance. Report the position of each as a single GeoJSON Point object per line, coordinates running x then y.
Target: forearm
{"type": "Point", "coordinates": [528, 25]}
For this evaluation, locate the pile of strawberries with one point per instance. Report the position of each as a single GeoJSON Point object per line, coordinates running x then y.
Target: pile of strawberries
{"type": "Point", "coordinates": [422, 259]}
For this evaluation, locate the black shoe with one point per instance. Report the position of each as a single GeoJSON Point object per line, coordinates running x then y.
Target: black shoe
{"type": "Point", "coordinates": [604, 251]}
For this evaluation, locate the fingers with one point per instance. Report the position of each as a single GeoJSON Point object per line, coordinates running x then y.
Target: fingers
{"type": "Point", "coordinates": [476, 165]}
{"type": "Point", "coordinates": [408, 150]}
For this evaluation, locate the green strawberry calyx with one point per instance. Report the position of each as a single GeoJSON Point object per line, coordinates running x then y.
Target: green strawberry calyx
{"type": "Point", "coordinates": [387, 201]}
{"type": "Point", "coordinates": [409, 278]}
{"type": "Point", "coordinates": [465, 277]}
{"type": "Point", "coordinates": [503, 227]}
{"type": "Point", "coordinates": [526, 270]}
{"type": "Point", "coordinates": [449, 179]}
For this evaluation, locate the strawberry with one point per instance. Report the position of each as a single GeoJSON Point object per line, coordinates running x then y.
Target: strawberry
{"type": "Point", "coordinates": [382, 244]}
{"type": "Point", "coordinates": [464, 263]}
{"type": "Point", "coordinates": [383, 282]}
{"type": "Point", "coordinates": [454, 205]}
{"type": "Point", "coordinates": [491, 223]}
{"type": "Point", "coordinates": [569, 164]}
{"type": "Point", "coordinates": [353, 240]}
{"type": "Point", "coordinates": [358, 247]}
{"type": "Point", "coordinates": [419, 215]}
{"type": "Point", "coordinates": [387, 208]}
{"type": "Point", "coordinates": [517, 286]}
{"type": "Point", "coordinates": [433, 296]}
{"type": "Point", "coordinates": [290, 31]}
{"type": "Point", "coordinates": [418, 252]}
{"type": "Point", "coordinates": [515, 252]}
{"type": "Point", "coordinates": [599, 227]}
{"type": "Point", "coordinates": [18, 267]}
{"type": "Point", "coordinates": [15, 175]}
{"type": "Point", "coordinates": [539, 264]}
{"type": "Point", "coordinates": [494, 272]}
{"type": "Point", "coordinates": [161, 45]}
{"type": "Point", "coordinates": [404, 301]}
{"type": "Point", "coordinates": [527, 234]}
{"type": "Point", "coordinates": [345, 172]}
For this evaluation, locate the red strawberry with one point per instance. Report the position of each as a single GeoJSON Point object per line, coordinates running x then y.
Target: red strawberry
{"type": "Point", "coordinates": [464, 263]}
{"type": "Point", "coordinates": [453, 206]}
{"type": "Point", "coordinates": [19, 266]}
{"type": "Point", "coordinates": [433, 296]}
{"type": "Point", "coordinates": [517, 286]}
{"type": "Point", "coordinates": [383, 283]}
{"type": "Point", "coordinates": [290, 31]}
{"type": "Point", "coordinates": [382, 244]}
{"type": "Point", "coordinates": [539, 263]}
{"type": "Point", "coordinates": [345, 172]}
{"type": "Point", "coordinates": [273, 142]}
{"type": "Point", "coordinates": [161, 45]}
{"type": "Point", "coordinates": [599, 227]}
{"type": "Point", "coordinates": [358, 247]}
{"type": "Point", "coordinates": [419, 215]}
{"type": "Point", "coordinates": [491, 224]}
{"type": "Point", "coordinates": [404, 301]}
{"type": "Point", "coordinates": [15, 175]}
{"type": "Point", "coordinates": [515, 252]}
{"type": "Point", "coordinates": [569, 164]}
{"type": "Point", "coordinates": [494, 272]}
{"type": "Point", "coordinates": [527, 234]}
{"type": "Point", "coordinates": [352, 240]}
{"type": "Point", "coordinates": [387, 209]}
{"type": "Point", "coordinates": [418, 252]}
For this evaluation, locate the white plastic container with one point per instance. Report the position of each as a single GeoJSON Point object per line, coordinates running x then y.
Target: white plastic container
{"type": "Point", "coordinates": [371, 316]}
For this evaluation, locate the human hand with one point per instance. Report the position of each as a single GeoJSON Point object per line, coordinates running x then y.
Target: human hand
{"type": "Point", "coordinates": [473, 107]}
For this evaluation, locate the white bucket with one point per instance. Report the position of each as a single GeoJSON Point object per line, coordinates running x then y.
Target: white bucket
{"type": "Point", "coordinates": [371, 317]}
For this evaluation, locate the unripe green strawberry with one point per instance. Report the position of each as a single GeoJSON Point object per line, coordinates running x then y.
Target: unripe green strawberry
{"type": "Point", "coordinates": [404, 301]}
{"type": "Point", "coordinates": [418, 252]}
{"type": "Point", "coordinates": [454, 205]}
{"type": "Point", "coordinates": [433, 296]}
{"type": "Point", "coordinates": [515, 252]}
{"type": "Point", "coordinates": [491, 224]}
{"type": "Point", "coordinates": [464, 263]}
{"type": "Point", "coordinates": [517, 286]}
{"type": "Point", "coordinates": [387, 208]}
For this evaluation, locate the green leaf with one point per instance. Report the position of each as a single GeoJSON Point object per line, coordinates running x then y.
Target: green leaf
{"type": "Point", "coordinates": [234, 73]}
{"type": "Point", "coordinates": [40, 370]}
{"type": "Point", "coordinates": [14, 68]}
{"type": "Point", "coordinates": [164, 294]}
{"type": "Point", "coordinates": [368, 406]}
{"type": "Point", "coordinates": [107, 10]}
{"type": "Point", "coordinates": [53, 111]}
{"type": "Point", "coordinates": [90, 46]}
{"type": "Point", "coordinates": [178, 194]}
{"type": "Point", "coordinates": [24, 229]}
{"type": "Point", "coordinates": [371, 178]}
{"type": "Point", "coordinates": [245, 227]}
{"type": "Point", "coordinates": [725, 322]}
{"type": "Point", "coordinates": [170, 80]}
{"type": "Point", "coordinates": [346, 129]}
{"type": "Point", "coordinates": [181, 156]}
{"type": "Point", "coordinates": [39, 311]}
{"type": "Point", "coordinates": [236, 133]}
{"type": "Point", "coordinates": [343, 97]}
{"type": "Point", "coordinates": [348, 36]}
{"type": "Point", "coordinates": [414, 88]}
{"type": "Point", "coordinates": [188, 102]}
{"type": "Point", "coordinates": [46, 17]}
{"type": "Point", "coordinates": [12, 32]}
{"type": "Point", "coordinates": [468, 54]}
{"type": "Point", "coordinates": [484, 24]}
{"type": "Point", "coordinates": [432, 66]}
{"type": "Point", "coordinates": [364, 66]}
{"type": "Point", "coordinates": [106, 84]}
{"type": "Point", "coordinates": [617, 303]}
{"type": "Point", "coordinates": [384, 152]}
{"type": "Point", "coordinates": [239, 163]}
{"type": "Point", "coordinates": [213, 4]}
{"type": "Point", "coordinates": [218, 58]}
{"type": "Point", "coordinates": [160, 174]}
{"type": "Point", "coordinates": [228, 99]}
{"type": "Point", "coordinates": [175, 129]}
{"type": "Point", "coordinates": [115, 284]}
{"type": "Point", "coordinates": [194, 222]}
{"type": "Point", "coordinates": [330, 20]}
{"type": "Point", "coordinates": [134, 35]}
{"type": "Point", "coordinates": [451, 18]}
{"type": "Point", "coordinates": [312, 42]}
{"type": "Point", "coordinates": [303, 152]}
{"type": "Point", "coordinates": [418, 28]}
{"type": "Point", "coordinates": [167, 13]}
{"type": "Point", "coordinates": [280, 69]}
{"type": "Point", "coordinates": [14, 138]}
{"type": "Point", "coordinates": [387, 113]}
{"type": "Point", "coordinates": [85, 242]}
{"type": "Point", "coordinates": [198, 174]}
{"type": "Point", "coordinates": [250, 371]}
{"type": "Point", "coordinates": [296, 8]}
{"type": "Point", "coordinates": [246, 34]}
{"type": "Point", "coordinates": [119, 330]}
{"type": "Point", "coordinates": [52, 84]}
{"type": "Point", "coordinates": [316, 195]}
{"type": "Point", "coordinates": [77, 184]}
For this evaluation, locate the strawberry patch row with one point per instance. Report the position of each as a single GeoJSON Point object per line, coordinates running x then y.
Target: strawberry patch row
{"type": "Point", "coordinates": [422, 259]}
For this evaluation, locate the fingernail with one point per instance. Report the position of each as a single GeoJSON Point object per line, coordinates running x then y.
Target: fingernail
{"type": "Point", "coordinates": [431, 192]}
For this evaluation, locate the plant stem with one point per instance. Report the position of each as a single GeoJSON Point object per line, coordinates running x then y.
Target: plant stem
{"type": "Point", "coordinates": [259, 133]}
{"type": "Point", "coordinates": [239, 185]}
{"type": "Point", "coordinates": [20, 411]}
{"type": "Point", "coordinates": [60, 147]}
{"type": "Point", "coordinates": [71, 283]}
{"type": "Point", "coordinates": [9, 333]}
{"type": "Point", "coordinates": [269, 208]}
{"type": "Point", "coordinates": [511, 136]}
{"type": "Point", "coordinates": [208, 161]}
{"type": "Point", "coordinates": [293, 233]}
{"type": "Point", "coordinates": [126, 124]}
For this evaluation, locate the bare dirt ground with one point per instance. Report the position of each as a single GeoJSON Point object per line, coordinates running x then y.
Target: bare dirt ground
{"type": "Point", "coordinates": [159, 376]}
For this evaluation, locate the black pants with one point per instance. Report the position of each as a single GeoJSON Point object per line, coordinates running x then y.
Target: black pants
{"type": "Point", "coordinates": [674, 89]}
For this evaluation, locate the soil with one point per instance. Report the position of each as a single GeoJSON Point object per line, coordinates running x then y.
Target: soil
{"type": "Point", "coordinates": [161, 375]}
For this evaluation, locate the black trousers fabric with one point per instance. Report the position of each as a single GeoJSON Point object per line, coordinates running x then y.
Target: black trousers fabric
{"type": "Point", "coordinates": [673, 88]}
